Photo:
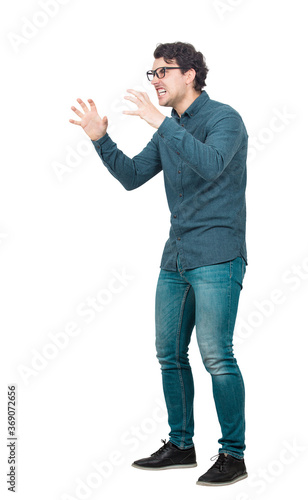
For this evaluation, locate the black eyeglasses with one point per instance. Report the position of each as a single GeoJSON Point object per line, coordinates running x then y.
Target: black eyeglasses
{"type": "Point", "coordinates": [160, 72]}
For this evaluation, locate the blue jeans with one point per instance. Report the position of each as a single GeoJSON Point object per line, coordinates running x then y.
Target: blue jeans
{"type": "Point", "coordinates": [206, 297]}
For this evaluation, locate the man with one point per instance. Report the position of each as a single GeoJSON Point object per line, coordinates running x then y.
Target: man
{"type": "Point", "coordinates": [202, 150]}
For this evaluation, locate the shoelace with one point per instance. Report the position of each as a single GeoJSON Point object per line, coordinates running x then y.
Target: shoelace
{"type": "Point", "coordinates": [221, 460]}
{"type": "Point", "coordinates": [160, 449]}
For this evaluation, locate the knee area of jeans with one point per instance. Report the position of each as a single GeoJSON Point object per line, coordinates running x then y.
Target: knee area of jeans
{"type": "Point", "coordinates": [219, 366]}
{"type": "Point", "coordinates": [163, 352]}
{"type": "Point", "coordinates": [173, 364]}
{"type": "Point", "coordinates": [171, 357]}
{"type": "Point", "coordinates": [211, 369]}
{"type": "Point", "coordinates": [165, 358]}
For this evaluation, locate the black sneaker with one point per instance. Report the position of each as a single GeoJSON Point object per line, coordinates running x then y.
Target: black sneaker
{"type": "Point", "coordinates": [168, 456]}
{"type": "Point", "coordinates": [226, 470]}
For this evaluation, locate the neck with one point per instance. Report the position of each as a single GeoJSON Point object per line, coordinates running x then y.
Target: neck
{"type": "Point", "coordinates": [186, 101]}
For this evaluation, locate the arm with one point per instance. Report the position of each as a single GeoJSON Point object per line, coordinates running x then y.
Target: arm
{"type": "Point", "coordinates": [209, 158]}
{"type": "Point", "coordinates": [226, 136]}
{"type": "Point", "coordinates": [131, 172]}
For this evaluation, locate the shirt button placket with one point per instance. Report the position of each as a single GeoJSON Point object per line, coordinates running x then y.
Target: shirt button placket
{"type": "Point", "coordinates": [180, 200]}
{"type": "Point", "coordinates": [179, 186]}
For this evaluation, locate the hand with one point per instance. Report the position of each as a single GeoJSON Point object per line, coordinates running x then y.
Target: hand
{"type": "Point", "coordinates": [146, 110]}
{"type": "Point", "coordinates": [93, 125]}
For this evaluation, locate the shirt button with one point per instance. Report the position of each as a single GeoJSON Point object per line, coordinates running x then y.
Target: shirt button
{"type": "Point", "coordinates": [162, 135]}
{"type": "Point", "coordinates": [180, 195]}
{"type": "Point", "coordinates": [182, 125]}
{"type": "Point", "coordinates": [175, 216]}
{"type": "Point", "coordinates": [177, 153]}
{"type": "Point", "coordinates": [179, 171]}
{"type": "Point", "coordinates": [179, 239]}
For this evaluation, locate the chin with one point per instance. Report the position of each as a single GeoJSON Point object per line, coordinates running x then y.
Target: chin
{"type": "Point", "coordinates": [167, 103]}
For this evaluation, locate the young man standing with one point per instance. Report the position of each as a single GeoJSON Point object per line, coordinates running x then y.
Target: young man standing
{"type": "Point", "coordinates": [202, 150]}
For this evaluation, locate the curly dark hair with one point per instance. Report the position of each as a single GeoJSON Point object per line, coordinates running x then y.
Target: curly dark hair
{"type": "Point", "coordinates": [187, 57]}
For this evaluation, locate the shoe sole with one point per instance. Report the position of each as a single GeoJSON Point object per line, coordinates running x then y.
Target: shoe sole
{"type": "Point", "coordinates": [188, 466]}
{"type": "Point", "coordinates": [203, 483]}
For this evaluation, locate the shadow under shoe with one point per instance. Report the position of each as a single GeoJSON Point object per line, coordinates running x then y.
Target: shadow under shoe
{"type": "Point", "coordinates": [168, 456]}
{"type": "Point", "coordinates": [226, 470]}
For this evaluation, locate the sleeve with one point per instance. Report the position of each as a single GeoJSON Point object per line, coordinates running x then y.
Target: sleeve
{"type": "Point", "coordinates": [209, 158]}
{"type": "Point", "coordinates": [130, 172]}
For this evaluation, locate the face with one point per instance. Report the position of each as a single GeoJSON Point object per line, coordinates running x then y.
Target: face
{"type": "Point", "coordinates": [173, 87]}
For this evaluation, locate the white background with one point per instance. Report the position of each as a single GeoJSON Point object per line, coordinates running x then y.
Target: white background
{"type": "Point", "coordinates": [63, 238]}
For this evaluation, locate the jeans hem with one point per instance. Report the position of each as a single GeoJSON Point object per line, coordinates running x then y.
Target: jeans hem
{"type": "Point", "coordinates": [182, 448]}
{"type": "Point", "coordinates": [232, 453]}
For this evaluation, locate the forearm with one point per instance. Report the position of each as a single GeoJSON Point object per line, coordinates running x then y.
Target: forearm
{"type": "Point", "coordinates": [130, 172]}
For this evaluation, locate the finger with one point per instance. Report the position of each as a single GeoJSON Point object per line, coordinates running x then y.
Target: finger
{"type": "Point", "coordinates": [146, 97]}
{"type": "Point", "coordinates": [137, 94]}
{"type": "Point", "coordinates": [136, 113]}
{"type": "Point", "coordinates": [142, 96]}
{"type": "Point", "coordinates": [75, 122]}
{"type": "Point", "coordinates": [82, 104]}
{"type": "Point", "coordinates": [78, 113]}
{"type": "Point", "coordinates": [132, 99]}
{"type": "Point", "coordinates": [92, 105]}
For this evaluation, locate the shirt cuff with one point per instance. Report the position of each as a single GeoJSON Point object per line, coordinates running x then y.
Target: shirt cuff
{"type": "Point", "coordinates": [168, 128]}
{"type": "Point", "coordinates": [102, 140]}
{"type": "Point", "coordinates": [161, 129]}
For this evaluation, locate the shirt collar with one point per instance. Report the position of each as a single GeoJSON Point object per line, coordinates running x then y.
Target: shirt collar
{"type": "Point", "coordinates": [195, 106]}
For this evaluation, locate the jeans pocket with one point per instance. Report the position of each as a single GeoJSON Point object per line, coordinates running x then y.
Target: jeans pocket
{"type": "Point", "coordinates": [237, 270]}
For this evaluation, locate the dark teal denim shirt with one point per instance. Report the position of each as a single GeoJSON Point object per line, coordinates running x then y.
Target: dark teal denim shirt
{"type": "Point", "coordinates": [203, 158]}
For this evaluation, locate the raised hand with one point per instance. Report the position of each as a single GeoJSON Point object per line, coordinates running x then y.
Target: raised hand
{"type": "Point", "coordinates": [145, 109]}
{"type": "Point", "coordinates": [93, 125]}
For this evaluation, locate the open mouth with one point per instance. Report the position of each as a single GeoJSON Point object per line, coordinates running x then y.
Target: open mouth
{"type": "Point", "coordinates": [160, 92]}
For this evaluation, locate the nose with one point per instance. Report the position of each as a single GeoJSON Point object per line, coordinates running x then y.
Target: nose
{"type": "Point", "coordinates": [155, 80]}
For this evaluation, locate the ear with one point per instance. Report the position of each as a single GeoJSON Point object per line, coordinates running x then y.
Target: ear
{"type": "Point", "coordinates": [190, 76]}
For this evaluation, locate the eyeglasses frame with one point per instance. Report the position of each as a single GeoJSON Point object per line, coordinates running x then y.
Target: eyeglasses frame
{"type": "Point", "coordinates": [154, 71]}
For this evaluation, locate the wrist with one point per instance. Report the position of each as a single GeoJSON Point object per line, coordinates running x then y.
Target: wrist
{"type": "Point", "coordinates": [159, 120]}
{"type": "Point", "coordinates": [96, 137]}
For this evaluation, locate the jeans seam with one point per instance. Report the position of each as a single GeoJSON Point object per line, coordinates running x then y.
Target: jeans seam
{"type": "Point", "coordinates": [230, 340]}
{"type": "Point", "coordinates": [229, 301]}
{"type": "Point", "coordinates": [179, 364]}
